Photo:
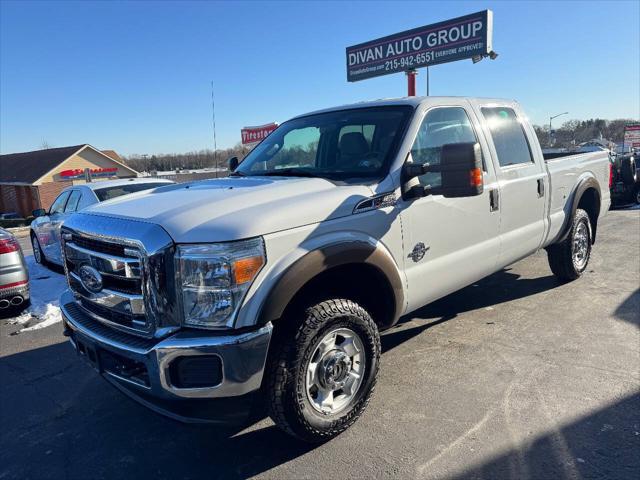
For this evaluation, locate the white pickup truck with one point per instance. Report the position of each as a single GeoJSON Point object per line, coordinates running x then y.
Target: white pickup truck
{"type": "Point", "coordinates": [206, 300]}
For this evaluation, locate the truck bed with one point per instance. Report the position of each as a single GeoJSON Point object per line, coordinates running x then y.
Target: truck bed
{"type": "Point", "coordinates": [565, 172]}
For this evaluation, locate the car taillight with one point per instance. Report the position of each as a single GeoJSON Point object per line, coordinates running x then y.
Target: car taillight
{"type": "Point", "coordinates": [610, 175]}
{"type": "Point", "coordinates": [9, 245]}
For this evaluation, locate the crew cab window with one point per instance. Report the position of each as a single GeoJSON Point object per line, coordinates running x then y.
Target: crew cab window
{"type": "Point", "coordinates": [58, 204]}
{"type": "Point", "coordinates": [72, 203]}
{"type": "Point", "coordinates": [440, 126]}
{"type": "Point", "coordinates": [512, 146]}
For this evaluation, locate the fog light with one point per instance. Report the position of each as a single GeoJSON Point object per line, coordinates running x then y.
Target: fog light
{"type": "Point", "coordinates": [200, 371]}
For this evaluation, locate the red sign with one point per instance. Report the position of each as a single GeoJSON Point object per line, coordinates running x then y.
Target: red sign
{"type": "Point", "coordinates": [257, 134]}
{"type": "Point", "coordinates": [95, 172]}
{"type": "Point", "coordinates": [632, 136]}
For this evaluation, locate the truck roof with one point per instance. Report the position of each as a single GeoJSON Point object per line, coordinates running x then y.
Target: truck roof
{"type": "Point", "coordinates": [411, 101]}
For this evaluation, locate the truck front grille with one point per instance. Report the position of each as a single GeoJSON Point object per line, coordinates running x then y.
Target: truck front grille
{"type": "Point", "coordinates": [118, 299]}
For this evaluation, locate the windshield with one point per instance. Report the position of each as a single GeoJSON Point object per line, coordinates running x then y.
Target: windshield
{"type": "Point", "coordinates": [335, 145]}
{"type": "Point", "coordinates": [112, 192]}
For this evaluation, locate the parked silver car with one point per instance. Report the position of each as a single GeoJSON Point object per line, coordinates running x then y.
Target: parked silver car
{"type": "Point", "coordinates": [14, 276]}
{"type": "Point", "coordinates": [45, 228]}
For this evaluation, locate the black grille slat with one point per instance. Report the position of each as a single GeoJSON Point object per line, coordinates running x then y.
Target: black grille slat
{"type": "Point", "coordinates": [102, 330]}
{"type": "Point", "coordinates": [131, 286]}
{"type": "Point", "coordinates": [99, 245]}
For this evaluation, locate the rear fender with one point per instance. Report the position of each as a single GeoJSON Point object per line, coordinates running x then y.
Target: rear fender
{"type": "Point", "coordinates": [572, 205]}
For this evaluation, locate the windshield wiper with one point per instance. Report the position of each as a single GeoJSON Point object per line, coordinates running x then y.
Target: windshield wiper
{"type": "Point", "coordinates": [288, 172]}
{"type": "Point", "coordinates": [237, 174]}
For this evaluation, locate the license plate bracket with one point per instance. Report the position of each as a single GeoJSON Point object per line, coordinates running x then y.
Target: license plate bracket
{"type": "Point", "coordinates": [89, 352]}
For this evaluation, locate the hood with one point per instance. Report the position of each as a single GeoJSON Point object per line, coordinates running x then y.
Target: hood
{"type": "Point", "coordinates": [235, 208]}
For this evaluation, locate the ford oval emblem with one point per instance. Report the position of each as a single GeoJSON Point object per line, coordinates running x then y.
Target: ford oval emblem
{"type": "Point", "coordinates": [90, 278]}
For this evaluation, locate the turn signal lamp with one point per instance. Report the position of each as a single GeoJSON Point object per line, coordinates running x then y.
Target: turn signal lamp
{"type": "Point", "coordinates": [475, 177]}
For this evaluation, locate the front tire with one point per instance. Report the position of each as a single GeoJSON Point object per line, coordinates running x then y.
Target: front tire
{"type": "Point", "coordinates": [323, 370]}
{"type": "Point", "coordinates": [569, 259]}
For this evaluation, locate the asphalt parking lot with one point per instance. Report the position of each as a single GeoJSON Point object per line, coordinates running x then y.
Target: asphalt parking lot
{"type": "Point", "coordinates": [514, 377]}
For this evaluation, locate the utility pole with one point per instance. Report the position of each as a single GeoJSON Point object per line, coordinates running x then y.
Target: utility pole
{"type": "Point", "coordinates": [427, 81]}
{"type": "Point", "coordinates": [550, 119]}
{"type": "Point", "coordinates": [213, 118]}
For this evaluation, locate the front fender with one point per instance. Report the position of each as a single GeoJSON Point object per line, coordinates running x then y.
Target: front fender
{"type": "Point", "coordinates": [326, 257]}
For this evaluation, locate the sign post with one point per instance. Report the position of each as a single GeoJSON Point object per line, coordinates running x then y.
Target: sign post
{"type": "Point", "coordinates": [460, 38]}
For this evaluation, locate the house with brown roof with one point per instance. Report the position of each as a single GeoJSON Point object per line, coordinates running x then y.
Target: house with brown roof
{"type": "Point", "coordinates": [30, 180]}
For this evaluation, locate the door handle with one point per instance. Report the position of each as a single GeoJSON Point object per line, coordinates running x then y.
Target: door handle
{"type": "Point", "coordinates": [494, 200]}
{"type": "Point", "coordinates": [540, 187]}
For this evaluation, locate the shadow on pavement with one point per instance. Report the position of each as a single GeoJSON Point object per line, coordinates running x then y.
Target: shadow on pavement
{"type": "Point", "coordinates": [605, 444]}
{"type": "Point", "coordinates": [629, 310]}
{"type": "Point", "coordinates": [502, 286]}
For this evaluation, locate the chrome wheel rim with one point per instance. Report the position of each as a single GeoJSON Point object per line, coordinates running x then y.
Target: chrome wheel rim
{"type": "Point", "coordinates": [36, 250]}
{"type": "Point", "coordinates": [580, 245]}
{"type": "Point", "coordinates": [335, 371]}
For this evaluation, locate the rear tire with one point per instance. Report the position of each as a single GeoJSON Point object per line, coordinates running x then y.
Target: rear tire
{"type": "Point", "coordinates": [323, 370]}
{"type": "Point", "coordinates": [38, 254]}
{"type": "Point", "coordinates": [569, 259]}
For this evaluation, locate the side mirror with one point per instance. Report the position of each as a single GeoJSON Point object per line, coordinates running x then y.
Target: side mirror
{"type": "Point", "coordinates": [461, 169]}
{"type": "Point", "coordinates": [233, 163]}
{"type": "Point", "coordinates": [39, 212]}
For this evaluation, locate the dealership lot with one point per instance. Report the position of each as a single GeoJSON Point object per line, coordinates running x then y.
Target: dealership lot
{"type": "Point", "coordinates": [516, 376]}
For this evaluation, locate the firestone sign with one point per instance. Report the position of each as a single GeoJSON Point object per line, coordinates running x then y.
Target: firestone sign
{"type": "Point", "coordinates": [448, 41]}
{"type": "Point", "coordinates": [257, 134]}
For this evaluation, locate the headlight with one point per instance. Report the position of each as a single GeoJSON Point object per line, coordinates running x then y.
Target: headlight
{"type": "Point", "coordinates": [214, 278]}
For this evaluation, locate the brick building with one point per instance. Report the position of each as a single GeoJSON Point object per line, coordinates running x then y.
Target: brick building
{"type": "Point", "coordinates": [33, 180]}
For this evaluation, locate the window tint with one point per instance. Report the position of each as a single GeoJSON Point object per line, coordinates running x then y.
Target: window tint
{"type": "Point", "coordinates": [440, 127]}
{"type": "Point", "coordinates": [508, 135]}
{"type": "Point", "coordinates": [348, 144]}
{"type": "Point", "coordinates": [112, 192]}
{"type": "Point", "coordinates": [366, 131]}
{"type": "Point", "coordinates": [299, 149]}
{"type": "Point", "coordinates": [58, 204]}
{"type": "Point", "coordinates": [74, 199]}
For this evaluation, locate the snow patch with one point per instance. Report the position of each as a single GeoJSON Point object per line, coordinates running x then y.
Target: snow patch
{"type": "Point", "coordinates": [46, 288]}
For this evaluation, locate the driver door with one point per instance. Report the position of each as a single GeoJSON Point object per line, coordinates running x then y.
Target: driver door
{"type": "Point", "coordinates": [448, 242]}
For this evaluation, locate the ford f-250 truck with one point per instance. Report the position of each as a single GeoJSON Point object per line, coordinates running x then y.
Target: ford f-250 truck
{"type": "Point", "coordinates": [270, 287]}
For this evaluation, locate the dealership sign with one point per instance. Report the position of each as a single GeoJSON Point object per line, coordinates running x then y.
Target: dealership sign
{"type": "Point", "coordinates": [257, 134]}
{"type": "Point", "coordinates": [631, 136]}
{"type": "Point", "coordinates": [448, 41]}
{"type": "Point", "coordinates": [95, 172]}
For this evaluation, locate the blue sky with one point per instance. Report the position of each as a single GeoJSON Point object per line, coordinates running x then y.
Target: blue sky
{"type": "Point", "coordinates": [135, 77]}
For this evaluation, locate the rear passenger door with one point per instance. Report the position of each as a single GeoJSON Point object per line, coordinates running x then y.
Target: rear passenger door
{"type": "Point", "coordinates": [521, 183]}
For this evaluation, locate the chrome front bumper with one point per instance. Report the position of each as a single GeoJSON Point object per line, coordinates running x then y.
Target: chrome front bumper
{"type": "Point", "coordinates": [141, 367]}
